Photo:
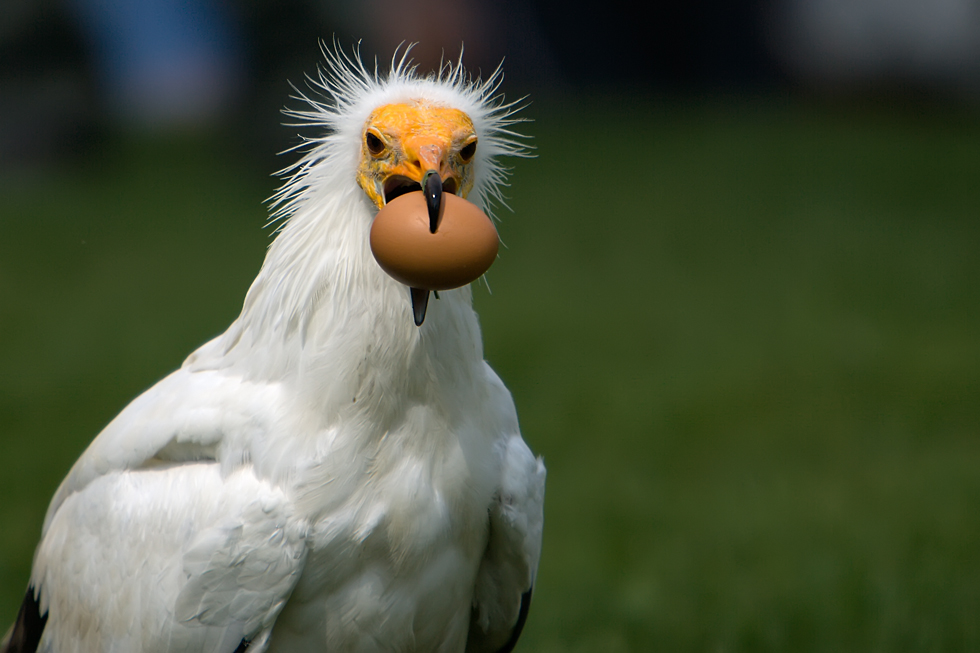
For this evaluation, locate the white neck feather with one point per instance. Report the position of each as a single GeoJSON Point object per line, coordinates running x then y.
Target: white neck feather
{"type": "Point", "coordinates": [322, 317]}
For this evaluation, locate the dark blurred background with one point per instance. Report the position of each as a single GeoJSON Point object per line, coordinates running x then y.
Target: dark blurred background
{"type": "Point", "coordinates": [72, 71]}
{"type": "Point", "coordinates": [739, 307]}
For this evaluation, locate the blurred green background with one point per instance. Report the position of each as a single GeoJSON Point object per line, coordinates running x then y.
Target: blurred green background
{"type": "Point", "coordinates": [743, 333]}
{"type": "Point", "coordinates": [738, 308]}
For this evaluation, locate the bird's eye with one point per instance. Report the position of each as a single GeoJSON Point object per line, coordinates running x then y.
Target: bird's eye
{"type": "Point", "coordinates": [467, 152]}
{"type": "Point", "coordinates": [374, 144]}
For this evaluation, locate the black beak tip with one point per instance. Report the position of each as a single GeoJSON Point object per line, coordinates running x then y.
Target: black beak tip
{"type": "Point", "coordinates": [420, 301]}
{"type": "Point", "coordinates": [432, 188]}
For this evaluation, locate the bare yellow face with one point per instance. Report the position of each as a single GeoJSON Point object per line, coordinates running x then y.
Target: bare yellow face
{"type": "Point", "coordinates": [401, 142]}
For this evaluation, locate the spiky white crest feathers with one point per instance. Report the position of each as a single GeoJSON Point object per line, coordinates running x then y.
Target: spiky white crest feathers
{"type": "Point", "coordinates": [351, 92]}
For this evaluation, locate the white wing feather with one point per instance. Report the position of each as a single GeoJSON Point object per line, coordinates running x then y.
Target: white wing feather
{"type": "Point", "coordinates": [510, 563]}
{"type": "Point", "coordinates": [186, 415]}
{"type": "Point", "coordinates": [184, 553]}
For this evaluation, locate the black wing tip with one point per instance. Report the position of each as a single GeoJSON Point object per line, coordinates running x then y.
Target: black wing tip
{"type": "Point", "coordinates": [521, 620]}
{"type": "Point", "coordinates": [243, 646]}
{"type": "Point", "coordinates": [30, 623]}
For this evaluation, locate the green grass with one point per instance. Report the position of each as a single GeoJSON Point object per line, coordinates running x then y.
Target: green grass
{"type": "Point", "coordinates": [745, 336]}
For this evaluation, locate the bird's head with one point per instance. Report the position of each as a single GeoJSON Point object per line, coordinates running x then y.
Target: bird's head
{"type": "Point", "coordinates": [406, 142]}
{"type": "Point", "coordinates": [387, 135]}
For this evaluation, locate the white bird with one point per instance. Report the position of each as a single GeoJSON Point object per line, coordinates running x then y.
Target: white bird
{"type": "Point", "coordinates": [325, 475]}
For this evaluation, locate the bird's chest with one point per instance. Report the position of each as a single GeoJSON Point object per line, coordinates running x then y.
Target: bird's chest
{"type": "Point", "coordinates": [395, 552]}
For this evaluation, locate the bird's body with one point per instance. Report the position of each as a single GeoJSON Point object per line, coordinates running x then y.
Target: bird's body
{"type": "Point", "coordinates": [325, 475]}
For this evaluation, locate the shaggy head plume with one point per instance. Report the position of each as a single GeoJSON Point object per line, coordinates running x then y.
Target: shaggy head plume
{"type": "Point", "coordinates": [345, 92]}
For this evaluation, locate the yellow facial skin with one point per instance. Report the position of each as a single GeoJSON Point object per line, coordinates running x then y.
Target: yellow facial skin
{"type": "Point", "coordinates": [406, 140]}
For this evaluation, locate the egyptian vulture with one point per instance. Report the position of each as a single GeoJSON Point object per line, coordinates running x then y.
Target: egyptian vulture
{"type": "Point", "coordinates": [325, 475]}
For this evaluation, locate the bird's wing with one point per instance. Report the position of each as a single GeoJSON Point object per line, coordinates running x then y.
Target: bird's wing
{"type": "Point", "coordinates": [239, 576]}
{"type": "Point", "coordinates": [186, 416]}
{"type": "Point", "coordinates": [176, 557]}
{"type": "Point", "coordinates": [506, 577]}
{"type": "Point", "coordinates": [154, 543]}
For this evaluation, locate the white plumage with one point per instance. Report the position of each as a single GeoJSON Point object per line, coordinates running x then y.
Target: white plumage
{"type": "Point", "coordinates": [325, 475]}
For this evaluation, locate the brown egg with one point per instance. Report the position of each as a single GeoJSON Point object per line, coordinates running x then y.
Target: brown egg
{"type": "Point", "coordinates": [462, 248]}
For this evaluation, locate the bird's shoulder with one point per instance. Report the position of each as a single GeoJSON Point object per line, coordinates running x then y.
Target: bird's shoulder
{"type": "Point", "coordinates": [188, 416]}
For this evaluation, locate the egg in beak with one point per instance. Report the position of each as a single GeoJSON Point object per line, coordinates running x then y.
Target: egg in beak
{"type": "Point", "coordinates": [425, 240]}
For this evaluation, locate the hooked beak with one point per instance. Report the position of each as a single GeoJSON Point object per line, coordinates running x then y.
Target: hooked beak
{"type": "Point", "coordinates": [424, 166]}
{"type": "Point", "coordinates": [428, 162]}
{"type": "Point", "coordinates": [432, 189]}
